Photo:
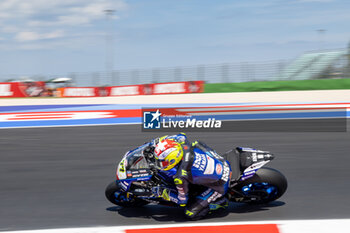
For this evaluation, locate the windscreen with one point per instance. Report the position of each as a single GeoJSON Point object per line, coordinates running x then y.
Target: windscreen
{"type": "Point", "coordinates": [136, 160]}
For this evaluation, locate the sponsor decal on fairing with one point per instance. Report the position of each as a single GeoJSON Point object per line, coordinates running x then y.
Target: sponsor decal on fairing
{"type": "Point", "coordinates": [200, 161]}
{"type": "Point", "coordinates": [250, 171]}
{"type": "Point", "coordinates": [226, 173]}
{"type": "Point", "coordinates": [210, 166]}
{"type": "Point", "coordinates": [218, 169]}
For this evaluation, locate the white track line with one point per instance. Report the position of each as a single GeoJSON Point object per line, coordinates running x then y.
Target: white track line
{"type": "Point", "coordinates": [288, 226]}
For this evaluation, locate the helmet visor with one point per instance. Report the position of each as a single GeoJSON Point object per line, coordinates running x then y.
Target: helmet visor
{"type": "Point", "coordinates": [164, 164]}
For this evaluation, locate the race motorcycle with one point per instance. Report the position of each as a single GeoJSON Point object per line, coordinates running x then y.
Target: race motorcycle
{"type": "Point", "coordinates": [138, 173]}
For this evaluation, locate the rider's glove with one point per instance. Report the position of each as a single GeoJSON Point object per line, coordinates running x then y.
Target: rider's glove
{"type": "Point", "coordinates": [161, 192]}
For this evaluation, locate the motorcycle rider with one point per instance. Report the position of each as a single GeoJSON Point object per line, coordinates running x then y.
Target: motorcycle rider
{"type": "Point", "coordinates": [193, 163]}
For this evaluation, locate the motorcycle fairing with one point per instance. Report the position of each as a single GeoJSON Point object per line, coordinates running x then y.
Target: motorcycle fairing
{"type": "Point", "coordinates": [252, 160]}
{"type": "Point", "coordinates": [251, 170]}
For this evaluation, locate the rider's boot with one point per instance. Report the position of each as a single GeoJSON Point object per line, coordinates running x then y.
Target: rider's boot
{"type": "Point", "coordinates": [220, 203]}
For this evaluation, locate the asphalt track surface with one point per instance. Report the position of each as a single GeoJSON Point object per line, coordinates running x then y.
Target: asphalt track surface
{"type": "Point", "coordinates": [55, 177]}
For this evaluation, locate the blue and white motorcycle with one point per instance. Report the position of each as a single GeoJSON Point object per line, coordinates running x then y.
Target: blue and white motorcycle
{"type": "Point", "coordinates": [137, 174]}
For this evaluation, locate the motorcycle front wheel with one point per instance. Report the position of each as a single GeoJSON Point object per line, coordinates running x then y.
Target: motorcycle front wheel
{"type": "Point", "coordinates": [118, 197]}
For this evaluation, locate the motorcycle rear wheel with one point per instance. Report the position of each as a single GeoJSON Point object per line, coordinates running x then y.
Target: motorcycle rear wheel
{"type": "Point", "coordinates": [122, 199]}
{"type": "Point", "coordinates": [265, 186]}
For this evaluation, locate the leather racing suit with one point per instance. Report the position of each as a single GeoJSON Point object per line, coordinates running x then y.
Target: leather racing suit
{"type": "Point", "coordinates": [200, 166]}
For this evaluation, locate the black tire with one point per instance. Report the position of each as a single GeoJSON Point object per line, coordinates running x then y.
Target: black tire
{"type": "Point", "coordinates": [270, 176]}
{"type": "Point", "coordinates": [112, 188]}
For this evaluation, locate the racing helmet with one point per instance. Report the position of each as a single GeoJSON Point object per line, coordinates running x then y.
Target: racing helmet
{"type": "Point", "coordinates": [169, 153]}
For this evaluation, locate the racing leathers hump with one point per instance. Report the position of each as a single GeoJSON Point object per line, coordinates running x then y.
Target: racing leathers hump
{"type": "Point", "coordinates": [202, 166]}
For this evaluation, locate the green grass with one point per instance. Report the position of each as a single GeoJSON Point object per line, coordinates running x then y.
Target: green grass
{"type": "Point", "coordinates": [290, 85]}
